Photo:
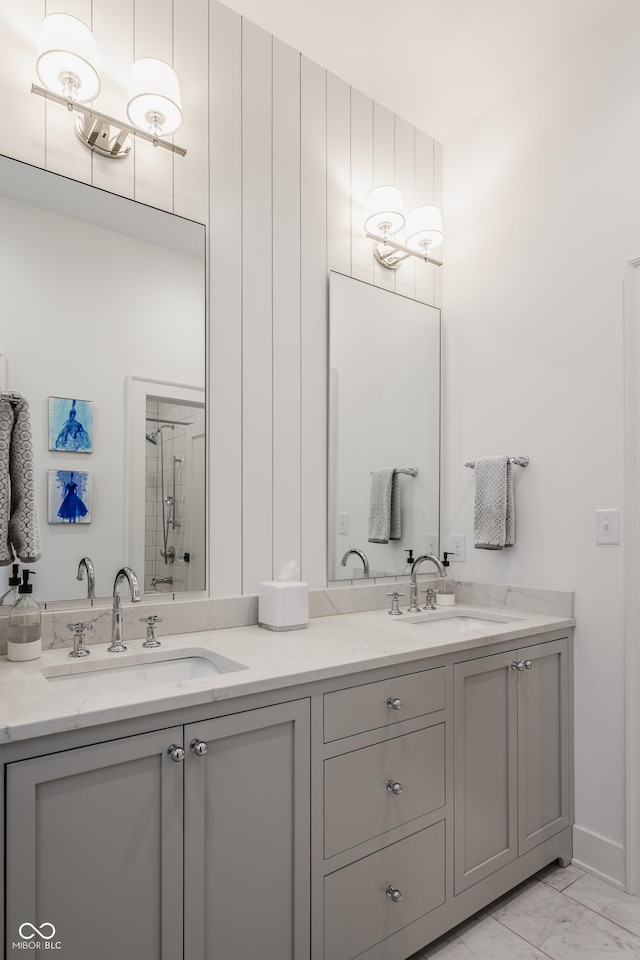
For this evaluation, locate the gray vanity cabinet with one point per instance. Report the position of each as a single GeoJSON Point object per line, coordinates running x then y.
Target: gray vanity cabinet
{"type": "Point", "coordinates": [94, 847]}
{"type": "Point", "coordinates": [131, 852]}
{"type": "Point", "coordinates": [511, 756]}
{"type": "Point", "coordinates": [247, 839]}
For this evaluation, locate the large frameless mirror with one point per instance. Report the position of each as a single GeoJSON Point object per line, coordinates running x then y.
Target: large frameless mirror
{"type": "Point", "coordinates": [104, 334]}
{"type": "Point", "coordinates": [384, 430]}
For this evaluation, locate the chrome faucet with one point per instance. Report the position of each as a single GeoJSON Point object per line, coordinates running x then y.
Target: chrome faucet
{"type": "Point", "coordinates": [87, 564]}
{"type": "Point", "coordinates": [117, 617]}
{"type": "Point", "coordinates": [360, 554]}
{"type": "Point", "coordinates": [413, 587]}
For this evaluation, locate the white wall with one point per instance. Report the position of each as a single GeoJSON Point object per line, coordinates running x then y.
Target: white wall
{"type": "Point", "coordinates": [541, 200]}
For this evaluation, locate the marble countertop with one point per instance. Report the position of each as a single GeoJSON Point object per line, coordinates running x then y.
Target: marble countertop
{"type": "Point", "coordinates": [329, 647]}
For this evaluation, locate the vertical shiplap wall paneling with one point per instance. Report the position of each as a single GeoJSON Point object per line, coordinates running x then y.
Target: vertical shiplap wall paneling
{"type": "Point", "coordinates": [22, 114]}
{"type": "Point", "coordinates": [64, 153]}
{"type": "Point", "coordinates": [153, 38]}
{"type": "Point", "coordinates": [438, 173]}
{"type": "Point", "coordinates": [383, 172]}
{"type": "Point", "coordinates": [113, 22]}
{"type": "Point", "coordinates": [338, 175]}
{"type": "Point", "coordinates": [257, 333]}
{"type": "Point", "coordinates": [361, 182]}
{"type": "Point", "coordinates": [313, 312]}
{"type": "Point", "coordinates": [225, 319]}
{"type": "Point", "coordinates": [405, 180]}
{"type": "Point", "coordinates": [286, 306]}
{"type": "Point", "coordinates": [191, 63]}
{"type": "Point", "coordinates": [424, 173]}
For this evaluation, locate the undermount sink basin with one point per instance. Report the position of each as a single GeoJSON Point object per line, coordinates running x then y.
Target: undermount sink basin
{"type": "Point", "coordinates": [456, 622]}
{"type": "Point", "coordinates": [137, 671]}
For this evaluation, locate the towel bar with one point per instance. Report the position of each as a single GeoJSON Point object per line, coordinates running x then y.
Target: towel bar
{"type": "Point", "coordinates": [410, 471]}
{"type": "Point", "coordinates": [519, 461]}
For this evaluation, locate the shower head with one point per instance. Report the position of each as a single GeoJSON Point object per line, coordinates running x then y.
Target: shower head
{"type": "Point", "coordinates": [153, 437]}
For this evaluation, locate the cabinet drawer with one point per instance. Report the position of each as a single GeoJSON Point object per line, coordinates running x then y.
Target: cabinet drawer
{"type": "Point", "coordinates": [358, 912]}
{"type": "Point", "coordinates": [357, 802]}
{"type": "Point", "coordinates": [367, 707]}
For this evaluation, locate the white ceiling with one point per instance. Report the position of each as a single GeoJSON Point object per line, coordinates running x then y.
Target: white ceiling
{"type": "Point", "coordinates": [437, 63]}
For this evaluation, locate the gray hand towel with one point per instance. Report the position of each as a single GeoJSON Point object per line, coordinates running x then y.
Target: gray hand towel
{"type": "Point", "coordinates": [494, 520]}
{"type": "Point", "coordinates": [19, 532]}
{"type": "Point", "coordinates": [384, 507]}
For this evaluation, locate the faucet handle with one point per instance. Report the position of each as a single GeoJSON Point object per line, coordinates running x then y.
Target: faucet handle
{"type": "Point", "coordinates": [79, 641]}
{"type": "Point", "coordinates": [151, 621]}
{"type": "Point", "coordinates": [430, 598]}
{"type": "Point", "coordinates": [395, 609]}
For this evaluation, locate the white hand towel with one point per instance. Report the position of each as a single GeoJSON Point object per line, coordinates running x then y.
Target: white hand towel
{"type": "Point", "coordinates": [494, 520]}
{"type": "Point", "coordinates": [384, 507]}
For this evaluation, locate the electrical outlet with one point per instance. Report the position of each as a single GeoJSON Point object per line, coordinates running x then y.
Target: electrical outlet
{"type": "Point", "coordinates": [431, 545]}
{"type": "Point", "coordinates": [457, 546]}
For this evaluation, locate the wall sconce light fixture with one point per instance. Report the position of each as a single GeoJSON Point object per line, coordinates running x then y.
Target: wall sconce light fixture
{"type": "Point", "coordinates": [384, 220]}
{"type": "Point", "coordinates": [67, 67]}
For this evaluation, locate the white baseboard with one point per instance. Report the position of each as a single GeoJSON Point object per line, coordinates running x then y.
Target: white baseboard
{"type": "Point", "coordinates": [600, 856]}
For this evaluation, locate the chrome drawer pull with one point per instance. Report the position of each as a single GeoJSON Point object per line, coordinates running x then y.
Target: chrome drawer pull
{"type": "Point", "coordinates": [176, 753]}
{"type": "Point", "coordinates": [394, 703]}
{"type": "Point", "coordinates": [394, 787]}
{"type": "Point", "coordinates": [517, 665]}
{"type": "Point", "coordinates": [199, 747]}
{"type": "Point", "coordinates": [528, 664]}
{"type": "Point", "coordinates": [393, 894]}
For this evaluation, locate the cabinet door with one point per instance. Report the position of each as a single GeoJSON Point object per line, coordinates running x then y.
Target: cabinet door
{"type": "Point", "coordinates": [543, 743]}
{"type": "Point", "coordinates": [94, 849]}
{"type": "Point", "coordinates": [247, 872]}
{"type": "Point", "coordinates": [485, 757]}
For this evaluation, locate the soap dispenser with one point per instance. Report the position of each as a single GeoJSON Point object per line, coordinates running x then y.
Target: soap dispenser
{"type": "Point", "coordinates": [25, 624]}
{"type": "Point", "coordinates": [11, 596]}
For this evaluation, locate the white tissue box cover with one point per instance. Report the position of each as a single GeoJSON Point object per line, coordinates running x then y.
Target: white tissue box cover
{"type": "Point", "coordinates": [283, 604]}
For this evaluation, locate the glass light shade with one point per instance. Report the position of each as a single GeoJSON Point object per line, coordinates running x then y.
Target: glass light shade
{"type": "Point", "coordinates": [67, 58]}
{"type": "Point", "coordinates": [154, 97]}
{"type": "Point", "coordinates": [424, 223]}
{"type": "Point", "coordinates": [384, 207]}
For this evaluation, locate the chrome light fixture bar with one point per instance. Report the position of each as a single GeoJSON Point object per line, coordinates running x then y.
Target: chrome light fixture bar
{"type": "Point", "coordinates": [67, 67]}
{"type": "Point", "coordinates": [96, 129]}
{"type": "Point", "coordinates": [384, 220]}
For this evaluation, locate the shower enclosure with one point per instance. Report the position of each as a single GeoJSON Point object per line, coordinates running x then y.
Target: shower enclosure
{"type": "Point", "coordinates": [174, 496]}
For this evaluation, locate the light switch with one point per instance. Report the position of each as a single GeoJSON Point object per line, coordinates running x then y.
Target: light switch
{"type": "Point", "coordinates": [608, 526]}
{"type": "Point", "coordinates": [343, 523]}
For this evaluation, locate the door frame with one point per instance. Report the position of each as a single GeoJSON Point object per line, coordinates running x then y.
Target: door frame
{"type": "Point", "coordinates": [631, 546]}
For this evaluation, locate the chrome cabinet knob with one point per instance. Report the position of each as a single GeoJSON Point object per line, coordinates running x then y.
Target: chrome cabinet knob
{"type": "Point", "coordinates": [394, 703]}
{"type": "Point", "coordinates": [517, 665]}
{"type": "Point", "coordinates": [393, 894]}
{"type": "Point", "coordinates": [528, 664]}
{"type": "Point", "coordinates": [176, 753]}
{"type": "Point", "coordinates": [394, 787]}
{"type": "Point", "coordinates": [199, 747]}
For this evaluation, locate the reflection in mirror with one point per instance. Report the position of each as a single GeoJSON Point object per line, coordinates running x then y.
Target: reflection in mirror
{"type": "Point", "coordinates": [99, 291]}
{"type": "Point", "coordinates": [174, 497]}
{"type": "Point", "coordinates": [384, 429]}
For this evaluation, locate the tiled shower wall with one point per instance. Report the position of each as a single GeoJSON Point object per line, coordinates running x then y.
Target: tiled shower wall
{"type": "Point", "coordinates": [169, 455]}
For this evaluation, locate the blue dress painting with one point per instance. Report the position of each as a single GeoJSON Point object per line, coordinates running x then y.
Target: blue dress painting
{"type": "Point", "coordinates": [69, 496]}
{"type": "Point", "coordinates": [70, 425]}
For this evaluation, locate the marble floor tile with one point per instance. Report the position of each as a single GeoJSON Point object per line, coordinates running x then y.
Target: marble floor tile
{"type": "Point", "coordinates": [608, 901]}
{"type": "Point", "coordinates": [563, 928]}
{"type": "Point", "coordinates": [482, 939]}
{"type": "Point", "coordinates": [560, 877]}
